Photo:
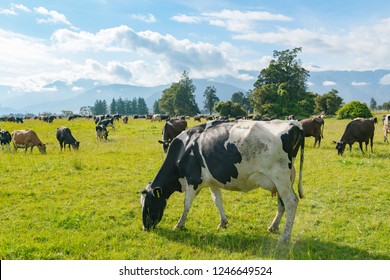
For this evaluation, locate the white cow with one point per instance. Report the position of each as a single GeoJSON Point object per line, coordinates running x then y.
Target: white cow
{"type": "Point", "coordinates": [386, 126]}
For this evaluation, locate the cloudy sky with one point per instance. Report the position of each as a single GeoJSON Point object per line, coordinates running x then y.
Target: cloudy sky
{"type": "Point", "coordinates": [150, 42]}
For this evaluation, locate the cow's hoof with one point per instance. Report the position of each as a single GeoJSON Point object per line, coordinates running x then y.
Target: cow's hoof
{"type": "Point", "coordinates": [273, 229]}
{"type": "Point", "coordinates": [179, 227]}
{"type": "Point", "coordinates": [223, 224]}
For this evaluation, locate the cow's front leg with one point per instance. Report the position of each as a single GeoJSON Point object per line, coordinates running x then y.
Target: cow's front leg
{"type": "Point", "coordinates": [188, 199]}
{"type": "Point", "coordinates": [217, 198]}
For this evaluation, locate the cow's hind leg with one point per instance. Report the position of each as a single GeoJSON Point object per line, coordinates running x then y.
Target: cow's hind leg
{"type": "Point", "coordinates": [217, 198]}
{"type": "Point", "coordinates": [274, 227]}
{"type": "Point", "coordinates": [288, 202]}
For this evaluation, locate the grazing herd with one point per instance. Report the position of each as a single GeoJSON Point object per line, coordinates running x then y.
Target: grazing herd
{"type": "Point", "coordinates": [28, 138]}
{"type": "Point", "coordinates": [239, 155]}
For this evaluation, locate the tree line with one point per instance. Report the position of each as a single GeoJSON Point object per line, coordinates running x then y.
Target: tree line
{"type": "Point", "coordinates": [136, 106]}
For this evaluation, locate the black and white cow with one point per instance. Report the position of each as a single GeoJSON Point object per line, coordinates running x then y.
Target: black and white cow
{"type": "Point", "coordinates": [101, 132]}
{"type": "Point", "coordinates": [5, 139]}
{"type": "Point", "coordinates": [238, 156]}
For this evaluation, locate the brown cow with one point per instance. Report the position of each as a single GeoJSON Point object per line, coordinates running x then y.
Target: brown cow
{"type": "Point", "coordinates": [27, 139]}
{"type": "Point", "coordinates": [171, 129]}
{"type": "Point", "coordinates": [356, 131]}
{"type": "Point", "coordinates": [314, 127]}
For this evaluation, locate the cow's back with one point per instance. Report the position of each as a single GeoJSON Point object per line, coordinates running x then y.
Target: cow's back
{"type": "Point", "coordinates": [358, 131]}
{"type": "Point", "coordinates": [24, 137]}
{"type": "Point", "coordinates": [232, 152]}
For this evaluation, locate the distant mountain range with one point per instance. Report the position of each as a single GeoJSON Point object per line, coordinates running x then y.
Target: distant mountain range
{"type": "Point", "coordinates": [58, 96]}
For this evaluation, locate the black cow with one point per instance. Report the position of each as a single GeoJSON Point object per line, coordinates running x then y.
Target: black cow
{"type": "Point", "coordinates": [238, 156]}
{"type": "Point", "coordinates": [101, 132]}
{"type": "Point", "coordinates": [359, 130]}
{"type": "Point", "coordinates": [65, 137]}
{"type": "Point", "coordinates": [5, 139]}
{"type": "Point", "coordinates": [170, 130]}
{"type": "Point", "coordinates": [314, 127]}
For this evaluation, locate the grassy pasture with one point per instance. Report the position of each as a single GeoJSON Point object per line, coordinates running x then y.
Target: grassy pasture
{"type": "Point", "coordinates": [85, 204]}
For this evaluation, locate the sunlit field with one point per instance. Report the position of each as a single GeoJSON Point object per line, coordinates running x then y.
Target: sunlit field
{"type": "Point", "coordinates": [86, 204]}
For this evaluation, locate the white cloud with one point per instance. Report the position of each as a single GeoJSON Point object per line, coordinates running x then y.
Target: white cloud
{"type": "Point", "coordinates": [354, 83]}
{"type": "Point", "coordinates": [232, 20]}
{"type": "Point", "coordinates": [13, 10]}
{"type": "Point", "coordinates": [149, 18]}
{"type": "Point", "coordinates": [20, 7]}
{"type": "Point", "coordinates": [51, 16]}
{"type": "Point", "coordinates": [187, 19]}
{"type": "Point", "coordinates": [328, 83]}
{"type": "Point", "coordinates": [8, 12]}
{"type": "Point", "coordinates": [385, 80]}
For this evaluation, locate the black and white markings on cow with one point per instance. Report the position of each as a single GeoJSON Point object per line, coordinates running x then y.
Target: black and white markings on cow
{"type": "Point", "coordinates": [239, 156]}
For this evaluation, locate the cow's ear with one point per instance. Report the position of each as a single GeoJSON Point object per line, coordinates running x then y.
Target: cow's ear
{"type": "Point", "coordinates": [157, 192]}
{"type": "Point", "coordinates": [161, 142]}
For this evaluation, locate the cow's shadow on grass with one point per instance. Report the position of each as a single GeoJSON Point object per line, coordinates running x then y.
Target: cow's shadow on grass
{"type": "Point", "coordinates": [265, 246]}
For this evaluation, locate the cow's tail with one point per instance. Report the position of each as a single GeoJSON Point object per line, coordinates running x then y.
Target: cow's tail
{"type": "Point", "coordinates": [300, 188]}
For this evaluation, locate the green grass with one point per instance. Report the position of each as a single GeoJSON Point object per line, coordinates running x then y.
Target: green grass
{"type": "Point", "coordinates": [85, 204]}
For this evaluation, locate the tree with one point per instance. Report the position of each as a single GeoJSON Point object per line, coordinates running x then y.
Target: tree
{"type": "Point", "coordinates": [230, 109]}
{"type": "Point", "coordinates": [121, 106]}
{"type": "Point", "coordinates": [100, 107]}
{"type": "Point", "coordinates": [372, 104]}
{"type": "Point", "coordinates": [166, 102]}
{"type": "Point", "coordinates": [284, 85]}
{"type": "Point", "coordinates": [386, 106]}
{"type": "Point", "coordinates": [179, 98]}
{"type": "Point", "coordinates": [156, 107]}
{"type": "Point", "coordinates": [241, 99]}
{"type": "Point", "coordinates": [142, 108]}
{"type": "Point", "coordinates": [113, 107]}
{"type": "Point", "coordinates": [354, 109]}
{"type": "Point", "coordinates": [210, 98]}
{"type": "Point", "coordinates": [185, 103]}
{"type": "Point", "coordinates": [328, 103]}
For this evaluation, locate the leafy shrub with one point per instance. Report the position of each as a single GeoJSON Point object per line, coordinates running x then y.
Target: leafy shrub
{"type": "Point", "coordinates": [352, 110]}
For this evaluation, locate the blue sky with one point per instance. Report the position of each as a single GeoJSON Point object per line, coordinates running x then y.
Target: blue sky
{"type": "Point", "coordinates": [148, 42]}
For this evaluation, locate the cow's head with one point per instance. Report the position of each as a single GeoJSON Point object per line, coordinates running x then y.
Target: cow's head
{"type": "Point", "coordinates": [165, 144]}
{"type": "Point", "coordinates": [42, 148]}
{"type": "Point", "coordinates": [340, 147]}
{"type": "Point", "coordinates": [76, 145]}
{"type": "Point", "coordinates": [153, 204]}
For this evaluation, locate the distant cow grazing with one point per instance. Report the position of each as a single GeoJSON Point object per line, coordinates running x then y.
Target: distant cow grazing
{"type": "Point", "coordinates": [386, 127]}
{"type": "Point", "coordinates": [360, 131]}
{"type": "Point", "coordinates": [5, 139]}
{"type": "Point", "coordinates": [156, 117]}
{"type": "Point", "coordinates": [101, 132]}
{"type": "Point", "coordinates": [198, 118]}
{"type": "Point", "coordinates": [27, 139]}
{"type": "Point", "coordinates": [171, 129]}
{"type": "Point", "coordinates": [314, 127]}
{"type": "Point", "coordinates": [237, 156]}
{"type": "Point", "coordinates": [107, 122]}
{"type": "Point", "coordinates": [65, 137]}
